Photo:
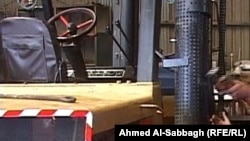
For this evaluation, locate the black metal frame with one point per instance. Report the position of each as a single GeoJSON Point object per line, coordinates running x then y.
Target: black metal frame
{"type": "Point", "coordinates": [48, 9]}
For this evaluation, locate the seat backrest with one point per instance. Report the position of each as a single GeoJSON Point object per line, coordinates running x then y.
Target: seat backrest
{"type": "Point", "coordinates": [28, 52]}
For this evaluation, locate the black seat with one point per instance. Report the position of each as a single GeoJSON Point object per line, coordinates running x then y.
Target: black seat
{"type": "Point", "coordinates": [29, 51]}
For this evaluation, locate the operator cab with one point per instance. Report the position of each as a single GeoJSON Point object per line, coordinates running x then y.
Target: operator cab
{"type": "Point", "coordinates": [66, 35]}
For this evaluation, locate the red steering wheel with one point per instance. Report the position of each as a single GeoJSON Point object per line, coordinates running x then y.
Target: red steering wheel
{"type": "Point", "coordinates": [75, 30]}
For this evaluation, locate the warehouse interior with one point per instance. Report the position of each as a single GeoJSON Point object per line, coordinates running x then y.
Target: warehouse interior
{"type": "Point", "coordinates": [124, 61]}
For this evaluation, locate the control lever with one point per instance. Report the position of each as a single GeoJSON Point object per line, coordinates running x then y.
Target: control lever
{"type": "Point", "coordinates": [159, 55]}
{"type": "Point", "coordinates": [108, 30]}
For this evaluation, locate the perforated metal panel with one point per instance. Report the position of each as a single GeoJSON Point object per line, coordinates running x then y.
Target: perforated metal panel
{"type": "Point", "coordinates": [192, 92]}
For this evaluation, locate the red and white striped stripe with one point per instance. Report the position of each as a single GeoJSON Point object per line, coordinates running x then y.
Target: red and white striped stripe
{"type": "Point", "coordinates": [41, 113]}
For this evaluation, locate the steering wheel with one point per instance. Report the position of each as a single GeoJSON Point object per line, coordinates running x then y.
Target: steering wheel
{"type": "Point", "coordinates": [27, 4]}
{"type": "Point", "coordinates": [74, 30]}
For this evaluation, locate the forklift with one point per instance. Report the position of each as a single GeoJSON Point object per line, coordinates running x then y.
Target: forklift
{"type": "Point", "coordinates": [102, 100]}
{"type": "Point", "coordinates": [41, 101]}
